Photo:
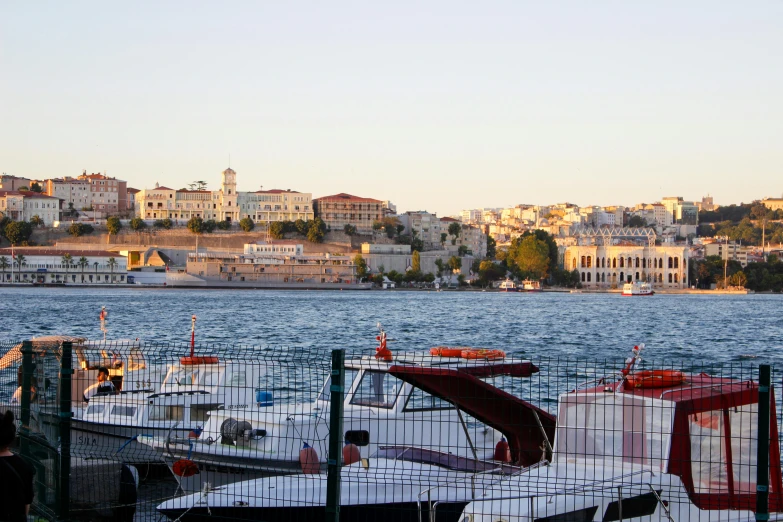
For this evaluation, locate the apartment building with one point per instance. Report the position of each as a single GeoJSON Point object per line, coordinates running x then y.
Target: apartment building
{"type": "Point", "coordinates": [681, 212]}
{"type": "Point", "coordinates": [426, 226]}
{"type": "Point", "coordinates": [343, 209]}
{"type": "Point", "coordinates": [22, 205]}
{"type": "Point", "coordinates": [96, 192]}
{"type": "Point", "coordinates": [11, 183]}
{"type": "Point", "coordinates": [730, 252]}
{"type": "Point", "coordinates": [773, 203]}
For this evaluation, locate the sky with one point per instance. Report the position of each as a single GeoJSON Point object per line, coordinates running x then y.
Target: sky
{"type": "Point", "coordinates": [437, 106]}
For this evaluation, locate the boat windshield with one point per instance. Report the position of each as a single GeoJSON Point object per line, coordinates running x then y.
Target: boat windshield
{"type": "Point", "coordinates": [325, 394]}
{"type": "Point", "coordinates": [443, 460]}
{"type": "Point", "coordinates": [607, 429]}
{"type": "Point", "coordinates": [195, 375]}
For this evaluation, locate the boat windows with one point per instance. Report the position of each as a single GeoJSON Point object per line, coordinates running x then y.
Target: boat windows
{"type": "Point", "coordinates": [198, 412]}
{"type": "Point", "coordinates": [710, 463]}
{"type": "Point", "coordinates": [123, 411]}
{"type": "Point", "coordinates": [95, 409]}
{"type": "Point", "coordinates": [377, 389]}
{"type": "Point", "coordinates": [166, 412]}
{"type": "Point", "coordinates": [419, 400]}
{"type": "Point", "coordinates": [600, 429]}
{"type": "Point", "coordinates": [325, 394]}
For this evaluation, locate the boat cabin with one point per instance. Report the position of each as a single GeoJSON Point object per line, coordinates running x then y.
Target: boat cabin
{"type": "Point", "coordinates": [703, 429]}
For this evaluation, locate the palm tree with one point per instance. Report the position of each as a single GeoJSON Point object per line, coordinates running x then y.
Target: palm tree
{"type": "Point", "coordinates": [4, 264]}
{"type": "Point", "coordinates": [112, 263]}
{"type": "Point", "coordinates": [20, 262]}
{"type": "Point", "coordinates": [67, 262]}
{"type": "Point", "coordinates": [83, 263]}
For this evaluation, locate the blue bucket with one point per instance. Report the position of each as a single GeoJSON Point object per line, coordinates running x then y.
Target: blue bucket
{"type": "Point", "coordinates": [264, 399]}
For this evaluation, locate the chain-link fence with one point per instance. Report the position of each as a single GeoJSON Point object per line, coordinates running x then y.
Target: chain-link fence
{"type": "Point", "coordinates": [133, 431]}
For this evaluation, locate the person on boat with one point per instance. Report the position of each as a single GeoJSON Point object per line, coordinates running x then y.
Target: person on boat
{"type": "Point", "coordinates": [104, 386]}
{"type": "Point", "coordinates": [17, 396]}
{"type": "Point", "coordinates": [16, 475]}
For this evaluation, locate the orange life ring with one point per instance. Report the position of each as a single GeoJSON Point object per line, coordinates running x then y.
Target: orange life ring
{"type": "Point", "coordinates": [445, 351]}
{"type": "Point", "coordinates": [198, 360]}
{"type": "Point", "coordinates": [474, 353]}
{"type": "Point", "coordinates": [655, 379]}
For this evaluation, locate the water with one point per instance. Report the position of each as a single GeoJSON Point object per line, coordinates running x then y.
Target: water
{"type": "Point", "coordinates": [720, 327]}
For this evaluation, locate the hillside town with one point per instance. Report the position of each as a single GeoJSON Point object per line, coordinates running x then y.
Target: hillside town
{"type": "Point", "coordinates": [95, 229]}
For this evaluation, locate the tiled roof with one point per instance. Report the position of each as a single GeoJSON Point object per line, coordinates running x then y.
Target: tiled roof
{"type": "Point", "coordinates": [276, 191]}
{"type": "Point", "coordinates": [25, 193]}
{"type": "Point", "coordinates": [347, 197]}
{"type": "Point", "coordinates": [46, 251]}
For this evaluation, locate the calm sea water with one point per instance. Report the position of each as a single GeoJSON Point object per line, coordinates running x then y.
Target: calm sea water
{"type": "Point", "coordinates": [721, 327]}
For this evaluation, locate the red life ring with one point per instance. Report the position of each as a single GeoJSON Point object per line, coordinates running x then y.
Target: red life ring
{"type": "Point", "coordinates": [198, 360]}
{"type": "Point", "coordinates": [185, 468]}
{"type": "Point", "coordinates": [474, 353]}
{"type": "Point", "coordinates": [445, 351]}
{"type": "Point", "coordinates": [655, 379]}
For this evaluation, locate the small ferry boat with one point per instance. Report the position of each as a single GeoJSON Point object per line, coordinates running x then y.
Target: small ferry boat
{"type": "Point", "coordinates": [508, 286]}
{"type": "Point", "coordinates": [390, 399]}
{"type": "Point", "coordinates": [531, 286]}
{"type": "Point", "coordinates": [651, 445]}
{"type": "Point", "coordinates": [637, 288]}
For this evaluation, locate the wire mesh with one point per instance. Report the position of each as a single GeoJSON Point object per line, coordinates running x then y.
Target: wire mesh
{"type": "Point", "coordinates": [242, 433]}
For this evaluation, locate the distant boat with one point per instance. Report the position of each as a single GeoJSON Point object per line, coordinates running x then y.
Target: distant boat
{"type": "Point", "coordinates": [508, 286]}
{"type": "Point", "coordinates": [530, 286]}
{"type": "Point", "coordinates": [637, 288]}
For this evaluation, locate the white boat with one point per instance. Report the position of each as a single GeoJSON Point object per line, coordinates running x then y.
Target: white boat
{"type": "Point", "coordinates": [397, 399]}
{"type": "Point", "coordinates": [108, 425]}
{"type": "Point", "coordinates": [398, 483]}
{"type": "Point", "coordinates": [531, 286]}
{"type": "Point", "coordinates": [508, 286]}
{"type": "Point", "coordinates": [637, 288]}
{"type": "Point", "coordinates": [650, 445]}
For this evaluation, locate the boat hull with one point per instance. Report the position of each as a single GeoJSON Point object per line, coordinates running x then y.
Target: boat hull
{"type": "Point", "coordinates": [396, 512]}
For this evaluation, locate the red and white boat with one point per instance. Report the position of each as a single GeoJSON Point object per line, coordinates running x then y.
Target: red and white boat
{"type": "Point", "coordinates": [637, 288]}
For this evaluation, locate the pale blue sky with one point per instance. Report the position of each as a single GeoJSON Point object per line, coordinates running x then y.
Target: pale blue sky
{"type": "Point", "coordinates": [434, 105]}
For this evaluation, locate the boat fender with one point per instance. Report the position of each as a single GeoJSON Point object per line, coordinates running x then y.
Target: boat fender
{"type": "Point", "coordinates": [655, 379]}
{"type": "Point", "coordinates": [308, 459]}
{"type": "Point", "coordinates": [350, 454]}
{"type": "Point", "coordinates": [483, 354]}
{"type": "Point", "coordinates": [502, 451]}
{"type": "Point", "coordinates": [184, 468]}
{"type": "Point", "coordinates": [445, 351]}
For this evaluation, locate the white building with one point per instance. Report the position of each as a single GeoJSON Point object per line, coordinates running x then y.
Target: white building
{"type": "Point", "coordinates": [426, 226]}
{"type": "Point", "coordinates": [471, 216]}
{"type": "Point", "coordinates": [44, 265]}
{"type": "Point", "coordinates": [23, 205]}
{"type": "Point", "coordinates": [599, 266]}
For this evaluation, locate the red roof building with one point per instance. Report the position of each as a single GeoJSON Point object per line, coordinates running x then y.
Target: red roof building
{"type": "Point", "coordinates": [346, 209]}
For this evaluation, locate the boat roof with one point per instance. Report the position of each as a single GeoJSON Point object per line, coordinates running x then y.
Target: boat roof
{"type": "Point", "coordinates": [476, 367]}
{"type": "Point", "coordinates": [699, 392]}
{"type": "Point", "coordinates": [526, 426]}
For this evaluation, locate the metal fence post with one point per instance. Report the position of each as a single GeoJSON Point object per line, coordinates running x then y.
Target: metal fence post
{"type": "Point", "coordinates": [64, 482]}
{"type": "Point", "coordinates": [762, 459]}
{"type": "Point", "coordinates": [334, 459]}
{"type": "Point", "coordinates": [27, 381]}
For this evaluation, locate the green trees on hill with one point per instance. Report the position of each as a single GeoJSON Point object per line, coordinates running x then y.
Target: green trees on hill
{"type": "Point", "coordinates": [18, 232]}
{"type": "Point", "coordinates": [314, 230]}
{"type": "Point", "coordinates": [246, 224]}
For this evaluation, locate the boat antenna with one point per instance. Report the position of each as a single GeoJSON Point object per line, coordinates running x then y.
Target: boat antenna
{"type": "Point", "coordinates": [633, 361]}
{"type": "Point", "coordinates": [192, 335]}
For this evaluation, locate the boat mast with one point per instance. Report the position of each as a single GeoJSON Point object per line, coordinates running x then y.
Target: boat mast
{"type": "Point", "coordinates": [193, 336]}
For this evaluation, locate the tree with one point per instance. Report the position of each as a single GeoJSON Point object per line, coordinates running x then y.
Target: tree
{"type": "Point", "coordinates": [67, 261]}
{"type": "Point", "coordinates": [83, 263]}
{"type": "Point", "coordinates": [489, 271]}
{"type": "Point", "coordinates": [400, 228]}
{"type": "Point", "coordinates": [4, 222]}
{"type": "Point", "coordinates": [36, 187]}
{"type": "Point", "coordinates": [440, 265]}
{"type": "Point", "coordinates": [637, 221]}
{"type": "Point", "coordinates": [210, 225]}
{"type": "Point", "coordinates": [738, 279]}
{"type": "Point", "coordinates": [377, 225]}
{"type": "Point", "coordinates": [443, 237]}
{"type": "Point", "coordinates": [455, 263]}
{"type": "Point", "coordinates": [76, 229]}
{"type": "Point", "coordinates": [71, 211]}
{"type": "Point", "coordinates": [137, 224]}
{"type": "Point", "coordinates": [361, 266]}
{"type": "Point", "coordinates": [531, 257]}
{"type": "Point", "coordinates": [112, 263]}
{"type": "Point", "coordinates": [246, 224]}
{"type": "Point", "coordinates": [416, 261]}
{"type": "Point", "coordinates": [314, 235]}
{"type": "Point", "coordinates": [301, 226]}
{"type": "Point", "coordinates": [491, 247]}
{"type": "Point", "coordinates": [18, 232]}
{"type": "Point", "coordinates": [349, 230]}
{"type": "Point", "coordinates": [20, 261]}
{"type": "Point", "coordinates": [24, 188]}
{"type": "Point", "coordinates": [4, 264]}
{"type": "Point", "coordinates": [198, 185]}
{"type": "Point", "coordinates": [277, 230]}
{"type": "Point", "coordinates": [114, 225]}
{"type": "Point", "coordinates": [462, 251]}
{"type": "Point", "coordinates": [454, 230]}
{"type": "Point", "coordinates": [224, 225]}
{"type": "Point", "coordinates": [196, 225]}
{"type": "Point", "coordinates": [390, 229]}
{"type": "Point", "coordinates": [36, 221]}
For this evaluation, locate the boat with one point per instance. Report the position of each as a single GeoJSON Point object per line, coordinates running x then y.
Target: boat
{"type": "Point", "coordinates": [369, 492]}
{"type": "Point", "coordinates": [531, 286]}
{"type": "Point", "coordinates": [390, 399]}
{"type": "Point", "coordinates": [508, 286]}
{"type": "Point", "coordinates": [637, 288]}
{"type": "Point", "coordinates": [646, 445]}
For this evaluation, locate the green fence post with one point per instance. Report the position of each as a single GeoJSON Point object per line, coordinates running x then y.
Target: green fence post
{"type": "Point", "coordinates": [762, 459]}
{"type": "Point", "coordinates": [335, 457]}
{"type": "Point", "coordinates": [64, 482]}
{"type": "Point", "coordinates": [27, 381]}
